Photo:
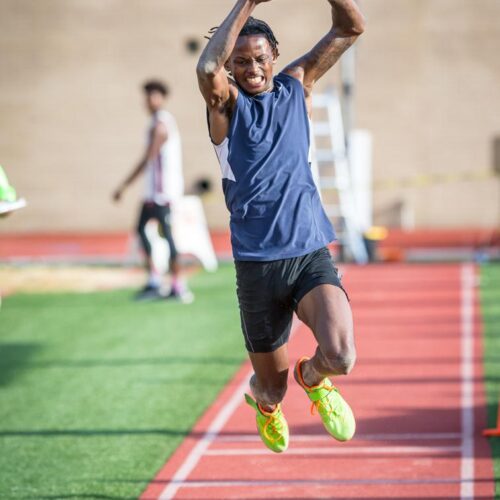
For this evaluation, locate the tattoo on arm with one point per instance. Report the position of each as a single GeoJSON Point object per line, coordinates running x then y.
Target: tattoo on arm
{"type": "Point", "coordinates": [347, 25]}
{"type": "Point", "coordinates": [313, 65]}
{"type": "Point", "coordinates": [212, 79]}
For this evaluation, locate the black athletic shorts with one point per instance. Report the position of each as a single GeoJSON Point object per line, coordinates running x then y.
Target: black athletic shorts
{"type": "Point", "coordinates": [162, 214]}
{"type": "Point", "coordinates": [269, 292]}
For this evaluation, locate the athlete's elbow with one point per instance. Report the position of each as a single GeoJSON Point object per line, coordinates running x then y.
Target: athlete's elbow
{"type": "Point", "coordinates": [353, 31]}
{"type": "Point", "coordinates": [359, 28]}
{"type": "Point", "coordinates": [355, 26]}
{"type": "Point", "coordinates": [359, 25]}
{"type": "Point", "coordinates": [206, 69]}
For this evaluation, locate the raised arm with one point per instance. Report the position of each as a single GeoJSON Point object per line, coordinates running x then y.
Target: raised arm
{"type": "Point", "coordinates": [214, 84]}
{"type": "Point", "coordinates": [347, 24]}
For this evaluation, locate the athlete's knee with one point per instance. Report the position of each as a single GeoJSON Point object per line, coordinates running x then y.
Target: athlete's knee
{"type": "Point", "coordinates": [340, 362]}
{"type": "Point", "coordinates": [146, 245]}
{"type": "Point", "coordinates": [345, 361]}
{"type": "Point", "coordinates": [340, 357]}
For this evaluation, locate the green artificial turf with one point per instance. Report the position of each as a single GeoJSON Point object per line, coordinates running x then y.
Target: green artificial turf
{"type": "Point", "coordinates": [490, 306]}
{"type": "Point", "coordinates": [96, 391]}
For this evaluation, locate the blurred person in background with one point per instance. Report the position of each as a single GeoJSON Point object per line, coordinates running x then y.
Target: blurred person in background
{"type": "Point", "coordinates": [161, 165]}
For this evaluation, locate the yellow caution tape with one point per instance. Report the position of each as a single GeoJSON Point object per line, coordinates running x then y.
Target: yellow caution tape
{"type": "Point", "coordinates": [376, 233]}
{"type": "Point", "coordinates": [422, 180]}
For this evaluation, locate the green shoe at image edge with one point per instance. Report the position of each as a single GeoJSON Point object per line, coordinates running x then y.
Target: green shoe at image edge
{"type": "Point", "coordinates": [7, 192]}
{"type": "Point", "coordinates": [334, 411]}
{"type": "Point", "coordinates": [272, 427]}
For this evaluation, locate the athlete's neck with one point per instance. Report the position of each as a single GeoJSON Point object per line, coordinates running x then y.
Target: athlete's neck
{"type": "Point", "coordinates": [267, 91]}
{"type": "Point", "coordinates": [270, 89]}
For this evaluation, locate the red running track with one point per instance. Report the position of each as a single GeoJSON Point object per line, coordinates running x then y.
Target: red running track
{"type": "Point", "coordinates": [416, 390]}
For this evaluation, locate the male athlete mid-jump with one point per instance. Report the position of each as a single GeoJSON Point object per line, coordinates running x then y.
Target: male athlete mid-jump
{"type": "Point", "coordinates": [259, 125]}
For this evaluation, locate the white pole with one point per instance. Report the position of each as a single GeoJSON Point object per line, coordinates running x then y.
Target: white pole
{"type": "Point", "coordinates": [360, 161]}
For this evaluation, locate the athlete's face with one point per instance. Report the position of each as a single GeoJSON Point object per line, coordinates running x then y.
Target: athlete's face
{"type": "Point", "coordinates": [154, 101]}
{"type": "Point", "coordinates": [251, 64]}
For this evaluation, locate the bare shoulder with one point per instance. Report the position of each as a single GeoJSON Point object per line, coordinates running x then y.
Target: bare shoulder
{"type": "Point", "coordinates": [160, 129]}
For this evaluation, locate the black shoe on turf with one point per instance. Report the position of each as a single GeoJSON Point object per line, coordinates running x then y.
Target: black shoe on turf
{"type": "Point", "coordinates": [149, 292]}
{"type": "Point", "coordinates": [185, 296]}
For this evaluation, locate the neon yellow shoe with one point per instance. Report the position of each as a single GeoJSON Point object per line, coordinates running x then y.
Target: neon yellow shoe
{"type": "Point", "coordinates": [335, 413]}
{"type": "Point", "coordinates": [272, 427]}
{"type": "Point", "coordinates": [7, 192]}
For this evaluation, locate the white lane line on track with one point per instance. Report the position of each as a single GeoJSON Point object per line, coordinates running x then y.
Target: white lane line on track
{"type": "Point", "coordinates": [467, 373]}
{"type": "Point", "coordinates": [353, 450]}
{"type": "Point", "coordinates": [202, 445]}
{"type": "Point", "coordinates": [206, 440]}
{"type": "Point", "coordinates": [319, 482]}
{"type": "Point", "coordinates": [424, 436]}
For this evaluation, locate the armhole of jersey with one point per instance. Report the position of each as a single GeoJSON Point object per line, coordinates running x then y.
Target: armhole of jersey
{"type": "Point", "coordinates": [167, 120]}
{"type": "Point", "coordinates": [222, 152]}
{"type": "Point", "coordinates": [298, 83]}
{"type": "Point", "coordinates": [208, 127]}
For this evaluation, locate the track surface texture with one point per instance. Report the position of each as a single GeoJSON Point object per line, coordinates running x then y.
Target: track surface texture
{"type": "Point", "coordinates": [417, 392]}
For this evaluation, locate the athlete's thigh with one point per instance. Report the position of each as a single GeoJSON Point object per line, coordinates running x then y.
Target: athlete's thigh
{"type": "Point", "coordinates": [265, 319]}
{"type": "Point", "coordinates": [164, 216]}
{"type": "Point", "coordinates": [145, 215]}
{"type": "Point", "coordinates": [326, 311]}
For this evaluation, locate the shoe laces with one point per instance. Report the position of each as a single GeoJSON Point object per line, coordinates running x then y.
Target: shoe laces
{"type": "Point", "coordinates": [274, 424]}
{"type": "Point", "coordinates": [325, 404]}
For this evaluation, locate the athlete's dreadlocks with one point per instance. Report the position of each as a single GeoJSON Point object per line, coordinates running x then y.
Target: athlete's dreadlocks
{"type": "Point", "coordinates": [255, 26]}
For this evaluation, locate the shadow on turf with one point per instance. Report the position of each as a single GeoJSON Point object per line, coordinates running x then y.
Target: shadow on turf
{"type": "Point", "coordinates": [14, 357]}
{"type": "Point", "coordinates": [90, 432]}
{"type": "Point", "coordinates": [163, 360]}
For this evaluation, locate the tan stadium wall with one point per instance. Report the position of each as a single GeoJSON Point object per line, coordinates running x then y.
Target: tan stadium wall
{"type": "Point", "coordinates": [428, 91]}
{"type": "Point", "coordinates": [72, 122]}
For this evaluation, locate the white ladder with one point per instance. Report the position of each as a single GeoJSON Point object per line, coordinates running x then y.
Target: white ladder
{"type": "Point", "coordinates": [328, 143]}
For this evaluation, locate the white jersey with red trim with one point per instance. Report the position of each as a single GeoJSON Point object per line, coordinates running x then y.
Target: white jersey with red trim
{"type": "Point", "coordinates": [164, 181]}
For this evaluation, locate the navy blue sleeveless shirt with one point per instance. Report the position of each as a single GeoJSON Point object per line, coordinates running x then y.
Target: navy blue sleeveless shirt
{"type": "Point", "coordinates": [276, 211]}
